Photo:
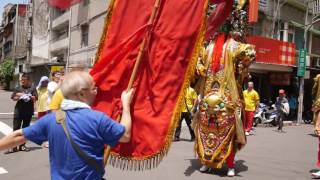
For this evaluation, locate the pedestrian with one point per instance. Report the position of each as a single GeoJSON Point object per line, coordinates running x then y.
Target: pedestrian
{"type": "Point", "coordinates": [54, 84]}
{"type": "Point", "coordinates": [89, 130]}
{"type": "Point", "coordinates": [251, 101]}
{"type": "Point", "coordinates": [42, 90]}
{"type": "Point", "coordinates": [282, 107]}
{"type": "Point", "coordinates": [293, 104]}
{"type": "Point", "coordinates": [57, 96]}
{"type": "Point", "coordinates": [25, 95]}
{"type": "Point", "coordinates": [189, 100]}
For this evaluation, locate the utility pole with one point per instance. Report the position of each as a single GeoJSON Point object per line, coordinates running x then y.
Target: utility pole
{"type": "Point", "coordinates": [69, 41]}
{"type": "Point", "coordinates": [307, 26]}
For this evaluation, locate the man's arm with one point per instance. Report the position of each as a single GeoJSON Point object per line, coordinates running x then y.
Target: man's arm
{"type": "Point", "coordinates": [12, 140]}
{"type": "Point", "coordinates": [126, 99]}
{"type": "Point", "coordinates": [34, 96]}
{"type": "Point", "coordinates": [257, 100]}
{"type": "Point", "coordinates": [16, 95]}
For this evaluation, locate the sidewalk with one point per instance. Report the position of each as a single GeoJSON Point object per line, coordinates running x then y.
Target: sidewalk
{"type": "Point", "coordinates": [6, 104]}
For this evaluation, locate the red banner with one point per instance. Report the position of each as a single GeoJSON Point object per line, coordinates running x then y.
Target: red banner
{"type": "Point", "coordinates": [63, 4]}
{"type": "Point", "coordinates": [169, 59]}
{"type": "Point", "coordinates": [273, 51]}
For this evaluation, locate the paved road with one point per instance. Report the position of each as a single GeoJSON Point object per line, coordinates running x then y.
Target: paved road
{"type": "Point", "coordinates": [268, 155]}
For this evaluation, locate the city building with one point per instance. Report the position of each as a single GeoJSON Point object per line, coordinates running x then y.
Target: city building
{"type": "Point", "coordinates": [87, 26]}
{"type": "Point", "coordinates": [278, 36]}
{"type": "Point", "coordinates": [13, 37]}
{"type": "Point", "coordinates": [65, 38]}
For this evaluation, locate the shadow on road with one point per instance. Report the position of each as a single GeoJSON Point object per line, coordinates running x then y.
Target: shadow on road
{"type": "Point", "coordinates": [313, 170]}
{"type": "Point", "coordinates": [313, 135]}
{"type": "Point", "coordinates": [195, 166]}
{"type": "Point", "coordinates": [34, 148]}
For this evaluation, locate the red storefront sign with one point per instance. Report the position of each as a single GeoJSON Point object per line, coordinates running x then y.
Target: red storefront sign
{"type": "Point", "coordinates": [273, 51]}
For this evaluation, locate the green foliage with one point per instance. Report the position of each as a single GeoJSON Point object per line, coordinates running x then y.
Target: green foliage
{"type": "Point", "coordinates": [6, 72]}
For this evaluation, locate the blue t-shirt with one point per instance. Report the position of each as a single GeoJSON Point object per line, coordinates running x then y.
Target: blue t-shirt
{"type": "Point", "coordinates": [89, 129]}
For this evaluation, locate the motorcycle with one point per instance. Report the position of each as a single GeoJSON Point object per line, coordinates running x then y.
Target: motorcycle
{"type": "Point", "coordinates": [265, 115]}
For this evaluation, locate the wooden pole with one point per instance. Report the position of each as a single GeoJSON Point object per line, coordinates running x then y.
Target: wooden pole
{"type": "Point", "coordinates": [137, 63]}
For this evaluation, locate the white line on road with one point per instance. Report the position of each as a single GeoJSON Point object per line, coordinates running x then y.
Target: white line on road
{"type": "Point", "coordinates": [3, 171]}
{"type": "Point", "coordinates": [5, 129]}
{"type": "Point", "coordinates": [6, 113]}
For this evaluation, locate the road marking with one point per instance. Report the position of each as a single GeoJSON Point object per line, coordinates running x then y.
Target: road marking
{"type": "Point", "coordinates": [11, 113]}
{"type": "Point", "coordinates": [5, 129]}
{"type": "Point", "coordinates": [6, 113]}
{"type": "Point", "coordinates": [3, 171]}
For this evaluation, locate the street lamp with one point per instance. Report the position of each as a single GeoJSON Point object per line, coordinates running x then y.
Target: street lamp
{"type": "Point", "coordinates": [315, 6]}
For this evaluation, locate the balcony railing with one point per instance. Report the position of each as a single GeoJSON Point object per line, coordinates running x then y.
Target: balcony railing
{"type": "Point", "coordinates": [61, 21]}
{"type": "Point", "coordinates": [60, 44]}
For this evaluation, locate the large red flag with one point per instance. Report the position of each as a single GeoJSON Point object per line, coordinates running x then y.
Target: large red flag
{"type": "Point", "coordinates": [63, 4]}
{"type": "Point", "coordinates": [169, 59]}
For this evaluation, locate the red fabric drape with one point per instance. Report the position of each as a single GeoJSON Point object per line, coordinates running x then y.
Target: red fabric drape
{"type": "Point", "coordinates": [63, 4]}
{"type": "Point", "coordinates": [223, 10]}
{"type": "Point", "coordinates": [161, 74]}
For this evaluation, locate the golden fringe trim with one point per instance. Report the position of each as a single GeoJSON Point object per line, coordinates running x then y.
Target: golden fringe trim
{"type": "Point", "coordinates": [107, 22]}
{"type": "Point", "coordinates": [150, 162]}
{"type": "Point", "coordinates": [131, 164]}
{"type": "Point", "coordinates": [199, 151]}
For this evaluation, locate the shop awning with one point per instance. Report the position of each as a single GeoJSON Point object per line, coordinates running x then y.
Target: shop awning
{"type": "Point", "coordinates": [298, 25]}
{"type": "Point", "coordinates": [265, 68]}
{"type": "Point", "coordinates": [272, 51]}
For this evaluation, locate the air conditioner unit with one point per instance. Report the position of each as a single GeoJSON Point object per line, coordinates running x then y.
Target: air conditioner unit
{"type": "Point", "coordinates": [54, 59]}
{"type": "Point", "coordinates": [26, 68]}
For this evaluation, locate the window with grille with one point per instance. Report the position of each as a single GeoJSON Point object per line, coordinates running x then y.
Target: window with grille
{"type": "Point", "coordinates": [86, 2]}
{"type": "Point", "coordinates": [84, 35]}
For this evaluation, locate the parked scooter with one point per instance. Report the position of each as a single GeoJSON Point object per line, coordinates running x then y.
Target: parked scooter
{"type": "Point", "coordinates": [265, 115]}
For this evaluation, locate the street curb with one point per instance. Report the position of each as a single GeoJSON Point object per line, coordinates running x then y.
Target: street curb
{"type": "Point", "coordinates": [285, 123]}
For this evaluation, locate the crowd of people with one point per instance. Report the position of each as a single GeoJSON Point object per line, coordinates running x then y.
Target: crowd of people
{"type": "Point", "coordinates": [87, 130]}
{"type": "Point", "coordinates": [74, 93]}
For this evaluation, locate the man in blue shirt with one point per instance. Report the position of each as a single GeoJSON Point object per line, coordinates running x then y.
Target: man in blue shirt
{"type": "Point", "coordinates": [89, 129]}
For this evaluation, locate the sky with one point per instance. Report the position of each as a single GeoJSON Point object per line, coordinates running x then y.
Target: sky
{"type": "Point", "coordinates": [5, 2]}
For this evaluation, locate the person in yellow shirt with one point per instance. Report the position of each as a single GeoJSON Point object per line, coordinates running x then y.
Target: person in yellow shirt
{"type": "Point", "coordinates": [42, 105]}
{"type": "Point", "coordinates": [56, 101]}
{"type": "Point", "coordinates": [251, 101]}
{"type": "Point", "coordinates": [190, 98]}
{"type": "Point", "coordinates": [57, 97]}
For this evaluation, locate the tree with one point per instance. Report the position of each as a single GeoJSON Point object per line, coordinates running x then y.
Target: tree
{"type": "Point", "coordinates": [6, 72]}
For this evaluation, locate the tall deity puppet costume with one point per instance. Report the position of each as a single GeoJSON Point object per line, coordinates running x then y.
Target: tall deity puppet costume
{"type": "Point", "coordinates": [222, 67]}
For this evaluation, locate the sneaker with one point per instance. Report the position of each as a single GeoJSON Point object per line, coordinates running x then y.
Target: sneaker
{"type": "Point", "coordinates": [24, 148]}
{"type": "Point", "coordinates": [176, 139]}
{"type": "Point", "coordinates": [204, 168]}
{"type": "Point", "coordinates": [231, 172]}
{"type": "Point", "coordinates": [316, 174]}
{"type": "Point", "coordinates": [251, 132]}
{"type": "Point", "coordinates": [247, 133]}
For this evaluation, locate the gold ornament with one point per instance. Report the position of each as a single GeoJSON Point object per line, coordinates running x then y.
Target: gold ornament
{"type": "Point", "coordinates": [213, 100]}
